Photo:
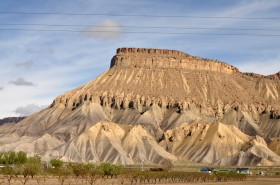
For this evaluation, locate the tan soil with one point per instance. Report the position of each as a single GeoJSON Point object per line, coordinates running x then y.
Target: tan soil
{"type": "Point", "coordinates": [250, 180]}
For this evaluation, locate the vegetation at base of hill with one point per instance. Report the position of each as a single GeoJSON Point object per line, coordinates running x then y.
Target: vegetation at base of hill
{"type": "Point", "coordinates": [56, 163]}
{"type": "Point", "coordinates": [19, 167]}
{"type": "Point", "coordinates": [9, 158]}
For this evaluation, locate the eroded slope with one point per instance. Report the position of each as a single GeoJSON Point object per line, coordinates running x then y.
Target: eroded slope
{"type": "Point", "coordinates": [208, 107]}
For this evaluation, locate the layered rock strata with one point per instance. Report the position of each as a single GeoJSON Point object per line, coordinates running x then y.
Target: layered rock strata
{"type": "Point", "coordinates": [160, 59]}
{"type": "Point", "coordinates": [139, 78]}
{"type": "Point", "coordinates": [168, 102]}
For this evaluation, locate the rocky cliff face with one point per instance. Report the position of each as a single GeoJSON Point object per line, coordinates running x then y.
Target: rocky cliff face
{"type": "Point", "coordinates": [275, 76]}
{"type": "Point", "coordinates": [171, 59]}
{"type": "Point", "coordinates": [139, 78]}
{"type": "Point", "coordinates": [169, 94]}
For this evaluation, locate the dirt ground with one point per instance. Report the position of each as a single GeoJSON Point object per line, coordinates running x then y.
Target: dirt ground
{"type": "Point", "coordinates": [54, 181]}
{"type": "Point", "coordinates": [249, 181]}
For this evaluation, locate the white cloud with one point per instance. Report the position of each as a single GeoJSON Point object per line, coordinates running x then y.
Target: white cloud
{"type": "Point", "coordinates": [28, 109]}
{"type": "Point", "coordinates": [107, 30]}
{"type": "Point", "coordinates": [21, 82]}
{"type": "Point", "coordinates": [61, 57]}
{"type": "Point", "coordinates": [265, 66]}
{"type": "Point", "coordinates": [1, 88]}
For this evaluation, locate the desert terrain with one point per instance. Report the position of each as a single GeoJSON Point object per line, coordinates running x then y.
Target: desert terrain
{"type": "Point", "coordinates": [157, 105]}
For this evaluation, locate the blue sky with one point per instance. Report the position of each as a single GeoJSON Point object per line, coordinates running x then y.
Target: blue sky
{"type": "Point", "coordinates": [37, 66]}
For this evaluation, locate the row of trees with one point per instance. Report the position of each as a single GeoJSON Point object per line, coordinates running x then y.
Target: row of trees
{"type": "Point", "coordinates": [86, 172]}
{"type": "Point", "coordinates": [33, 168]}
{"type": "Point", "coordinates": [183, 177]}
{"type": "Point", "coordinates": [22, 170]}
{"type": "Point", "coordinates": [19, 167]}
{"type": "Point", "coordinates": [8, 158]}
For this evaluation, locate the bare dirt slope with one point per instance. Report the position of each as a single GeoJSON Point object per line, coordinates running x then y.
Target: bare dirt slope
{"type": "Point", "coordinates": [189, 107]}
{"type": "Point", "coordinates": [110, 142]}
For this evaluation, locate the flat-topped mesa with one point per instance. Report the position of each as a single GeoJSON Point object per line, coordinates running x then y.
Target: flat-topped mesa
{"type": "Point", "coordinates": [163, 52]}
{"type": "Point", "coordinates": [162, 58]}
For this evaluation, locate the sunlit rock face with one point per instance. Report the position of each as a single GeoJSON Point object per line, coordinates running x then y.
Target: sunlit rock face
{"type": "Point", "coordinates": [155, 105]}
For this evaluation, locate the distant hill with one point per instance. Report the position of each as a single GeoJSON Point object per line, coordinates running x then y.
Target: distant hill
{"type": "Point", "coordinates": [275, 76]}
{"type": "Point", "coordinates": [11, 120]}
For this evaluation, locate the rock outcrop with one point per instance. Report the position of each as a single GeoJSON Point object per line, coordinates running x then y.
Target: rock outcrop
{"type": "Point", "coordinates": [189, 107]}
{"type": "Point", "coordinates": [142, 78]}
{"type": "Point", "coordinates": [275, 76]}
{"type": "Point", "coordinates": [160, 59]}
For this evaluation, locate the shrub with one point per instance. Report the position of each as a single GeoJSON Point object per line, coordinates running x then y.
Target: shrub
{"type": "Point", "coordinates": [56, 163]}
{"type": "Point", "coordinates": [110, 170]}
{"type": "Point", "coordinates": [28, 170]}
{"type": "Point", "coordinates": [63, 173]}
{"type": "Point", "coordinates": [8, 173]}
{"type": "Point", "coordinates": [34, 159]}
{"type": "Point", "coordinates": [21, 157]}
{"type": "Point", "coordinates": [79, 170]}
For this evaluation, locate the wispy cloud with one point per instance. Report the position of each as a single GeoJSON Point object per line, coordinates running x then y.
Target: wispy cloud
{"type": "Point", "coordinates": [29, 109]}
{"type": "Point", "coordinates": [266, 66]}
{"type": "Point", "coordinates": [22, 82]}
{"type": "Point", "coordinates": [59, 58]}
{"type": "Point", "coordinates": [108, 29]}
{"type": "Point", "coordinates": [1, 88]}
{"type": "Point", "coordinates": [26, 64]}
{"type": "Point", "coordinates": [48, 51]}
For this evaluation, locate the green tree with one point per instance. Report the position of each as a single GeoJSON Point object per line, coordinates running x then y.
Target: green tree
{"type": "Point", "coordinates": [34, 159]}
{"type": "Point", "coordinates": [21, 157]}
{"type": "Point", "coordinates": [91, 173]}
{"type": "Point", "coordinates": [8, 173]}
{"type": "Point", "coordinates": [6, 158]}
{"type": "Point", "coordinates": [63, 173]}
{"type": "Point", "coordinates": [11, 157]}
{"type": "Point", "coordinates": [32, 169]}
{"type": "Point", "coordinates": [56, 163]}
{"type": "Point", "coordinates": [117, 170]}
{"type": "Point", "coordinates": [28, 170]}
{"type": "Point", "coordinates": [110, 170]}
{"type": "Point", "coordinates": [1, 158]}
{"type": "Point", "coordinates": [79, 170]}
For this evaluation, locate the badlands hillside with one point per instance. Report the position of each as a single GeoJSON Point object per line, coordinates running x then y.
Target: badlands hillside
{"type": "Point", "coordinates": [156, 105]}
